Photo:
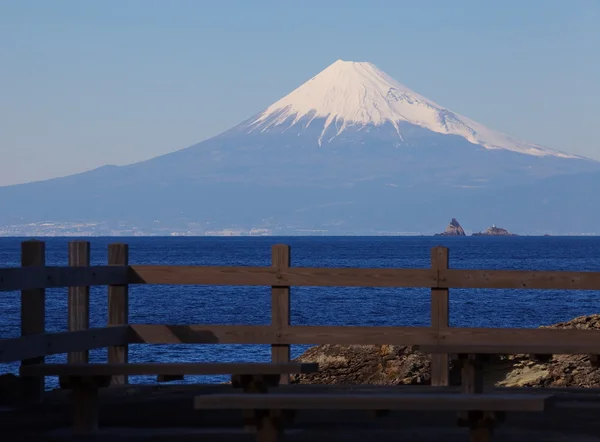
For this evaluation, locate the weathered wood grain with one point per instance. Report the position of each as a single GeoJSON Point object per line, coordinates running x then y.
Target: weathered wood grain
{"type": "Point", "coordinates": [520, 279]}
{"type": "Point", "coordinates": [297, 334]}
{"type": "Point", "coordinates": [79, 298]}
{"type": "Point", "coordinates": [33, 315]}
{"type": "Point", "coordinates": [44, 344]}
{"type": "Point", "coordinates": [191, 368]}
{"type": "Point", "coordinates": [440, 364]}
{"type": "Point", "coordinates": [118, 307]}
{"type": "Point", "coordinates": [50, 277]}
{"type": "Point", "coordinates": [515, 341]}
{"type": "Point", "coordinates": [293, 276]}
{"type": "Point", "coordinates": [361, 277]}
{"type": "Point", "coordinates": [280, 306]}
{"type": "Point", "coordinates": [29, 278]}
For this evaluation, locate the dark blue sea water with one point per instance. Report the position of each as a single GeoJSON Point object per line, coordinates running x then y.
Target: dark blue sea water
{"type": "Point", "coordinates": [314, 306]}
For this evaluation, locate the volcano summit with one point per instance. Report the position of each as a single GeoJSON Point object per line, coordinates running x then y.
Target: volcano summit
{"type": "Point", "coordinates": [351, 96]}
{"type": "Point", "coordinates": [350, 151]}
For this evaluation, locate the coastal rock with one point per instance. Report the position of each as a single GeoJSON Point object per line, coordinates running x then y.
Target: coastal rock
{"type": "Point", "coordinates": [494, 231]}
{"type": "Point", "coordinates": [402, 365]}
{"type": "Point", "coordinates": [453, 229]}
{"type": "Point", "coordinates": [366, 364]}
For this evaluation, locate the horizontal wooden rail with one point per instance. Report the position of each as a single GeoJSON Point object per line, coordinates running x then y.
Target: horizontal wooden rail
{"type": "Point", "coordinates": [519, 279]}
{"type": "Point", "coordinates": [451, 340]}
{"type": "Point", "coordinates": [27, 278]}
{"type": "Point", "coordinates": [520, 340]}
{"type": "Point", "coordinates": [292, 276]}
{"type": "Point", "coordinates": [499, 340]}
{"type": "Point", "coordinates": [44, 344]}
{"type": "Point", "coordinates": [361, 277]}
{"type": "Point", "coordinates": [264, 334]}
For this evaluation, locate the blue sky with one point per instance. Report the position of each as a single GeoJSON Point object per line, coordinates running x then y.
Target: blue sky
{"type": "Point", "coordinates": [118, 81]}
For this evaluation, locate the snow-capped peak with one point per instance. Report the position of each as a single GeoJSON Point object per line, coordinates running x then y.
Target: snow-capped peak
{"type": "Point", "coordinates": [354, 94]}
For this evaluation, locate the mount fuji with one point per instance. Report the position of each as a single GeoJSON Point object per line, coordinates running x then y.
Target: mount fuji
{"type": "Point", "coordinates": [349, 151]}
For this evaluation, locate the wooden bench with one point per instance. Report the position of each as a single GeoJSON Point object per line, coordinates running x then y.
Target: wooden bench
{"type": "Point", "coordinates": [268, 408]}
{"type": "Point", "coordinates": [86, 379]}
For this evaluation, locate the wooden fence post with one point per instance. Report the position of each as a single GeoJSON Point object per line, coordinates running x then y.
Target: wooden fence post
{"type": "Point", "coordinates": [79, 298]}
{"type": "Point", "coordinates": [440, 366]}
{"type": "Point", "coordinates": [280, 307]}
{"type": "Point", "coordinates": [33, 316]}
{"type": "Point", "coordinates": [118, 308]}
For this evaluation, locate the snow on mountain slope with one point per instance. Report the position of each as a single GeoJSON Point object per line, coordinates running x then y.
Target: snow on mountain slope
{"type": "Point", "coordinates": [356, 94]}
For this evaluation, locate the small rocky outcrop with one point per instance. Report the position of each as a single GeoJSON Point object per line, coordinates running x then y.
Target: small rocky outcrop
{"type": "Point", "coordinates": [366, 364]}
{"type": "Point", "coordinates": [453, 229]}
{"type": "Point", "coordinates": [494, 231]}
{"type": "Point", "coordinates": [402, 365]}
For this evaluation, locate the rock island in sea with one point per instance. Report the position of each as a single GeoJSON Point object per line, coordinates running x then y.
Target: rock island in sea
{"type": "Point", "coordinates": [453, 229]}
{"type": "Point", "coordinates": [494, 231]}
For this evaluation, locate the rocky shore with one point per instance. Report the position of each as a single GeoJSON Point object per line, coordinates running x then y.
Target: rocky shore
{"type": "Point", "coordinates": [402, 365]}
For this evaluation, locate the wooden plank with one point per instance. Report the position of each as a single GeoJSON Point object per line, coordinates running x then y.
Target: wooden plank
{"type": "Point", "coordinates": [440, 365]}
{"type": "Point", "coordinates": [79, 298]}
{"type": "Point", "coordinates": [33, 316]}
{"type": "Point", "coordinates": [202, 334]}
{"type": "Point", "coordinates": [12, 279]}
{"type": "Point", "coordinates": [361, 277]}
{"type": "Point", "coordinates": [520, 279]}
{"type": "Point", "coordinates": [260, 334]}
{"type": "Point", "coordinates": [85, 408]}
{"type": "Point", "coordinates": [353, 401]}
{"type": "Point", "coordinates": [34, 346]}
{"type": "Point", "coordinates": [471, 374]}
{"type": "Point", "coordinates": [515, 341]}
{"type": "Point", "coordinates": [280, 306]}
{"type": "Point", "coordinates": [294, 276]}
{"type": "Point", "coordinates": [50, 277]}
{"type": "Point", "coordinates": [472, 383]}
{"type": "Point", "coordinates": [118, 307]}
{"type": "Point", "coordinates": [191, 368]}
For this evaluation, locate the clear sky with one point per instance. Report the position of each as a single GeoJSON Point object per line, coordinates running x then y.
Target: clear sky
{"type": "Point", "coordinates": [85, 83]}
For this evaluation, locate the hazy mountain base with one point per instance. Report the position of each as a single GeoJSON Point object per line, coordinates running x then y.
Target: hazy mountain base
{"type": "Point", "coordinates": [402, 365]}
{"type": "Point", "coordinates": [559, 205]}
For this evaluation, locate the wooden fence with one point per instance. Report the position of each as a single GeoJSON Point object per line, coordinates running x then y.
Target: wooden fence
{"type": "Point", "coordinates": [33, 277]}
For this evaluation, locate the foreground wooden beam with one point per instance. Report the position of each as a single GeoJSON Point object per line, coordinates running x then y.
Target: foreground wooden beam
{"type": "Point", "coordinates": [29, 278]}
{"type": "Point", "coordinates": [292, 276]}
{"type": "Point", "coordinates": [519, 279]}
{"type": "Point", "coordinates": [12, 279]}
{"type": "Point", "coordinates": [440, 317]}
{"type": "Point", "coordinates": [280, 306]}
{"type": "Point", "coordinates": [38, 345]}
{"type": "Point", "coordinates": [118, 307]}
{"type": "Point", "coordinates": [33, 316]}
{"type": "Point", "coordinates": [361, 277]}
{"type": "Point", "coordinates": [79, 298]}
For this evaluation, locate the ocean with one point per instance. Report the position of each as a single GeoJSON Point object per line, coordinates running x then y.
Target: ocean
{"type": "Point", "coordinates": [312, 305]}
